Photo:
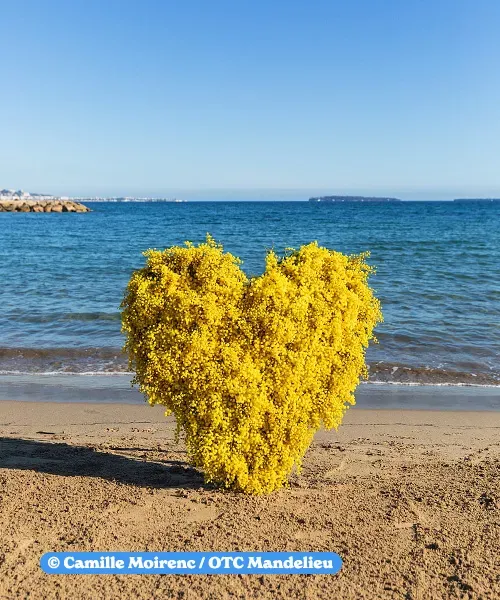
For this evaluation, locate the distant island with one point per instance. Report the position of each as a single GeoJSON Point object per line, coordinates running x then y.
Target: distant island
{"type": "Point", "coordinates": [352, 199]}
{"type": "Point", "coordinates": [476, 200]}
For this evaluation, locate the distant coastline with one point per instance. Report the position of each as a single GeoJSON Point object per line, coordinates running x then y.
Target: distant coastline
{"type": "Point", "coordinates": [352, 199]}
{"type": "Point", "coordinates": [127, 199]}
{"type": "Point", "coordinates": [16, 196]}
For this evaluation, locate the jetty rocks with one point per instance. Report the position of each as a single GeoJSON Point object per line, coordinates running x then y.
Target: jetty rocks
{"type": "Point", "coordinates": [42, 206]}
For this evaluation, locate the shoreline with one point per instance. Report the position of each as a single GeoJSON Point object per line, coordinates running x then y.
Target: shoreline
{"type": "Point", "coordinates": [130, 374]}
{"type": "Point", "coordinates": [116, 389]}
{"type": "Point", "coordinates": [408, 498]}
{"type": "Point", "coordinates": [379, 374]}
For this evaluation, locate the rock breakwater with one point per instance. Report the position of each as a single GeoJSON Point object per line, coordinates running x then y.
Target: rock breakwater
{"type": "Point", "coordinates": [42, 206]}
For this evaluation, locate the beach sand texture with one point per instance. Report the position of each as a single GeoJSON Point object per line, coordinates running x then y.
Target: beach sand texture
{"type": "Point", "coordinates": [409, 499]}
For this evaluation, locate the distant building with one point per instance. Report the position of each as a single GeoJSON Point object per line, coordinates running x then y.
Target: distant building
{"type": "Point", "coordinates": [352, 199]}
{"type": "Point", "coordinates": [6, 194]}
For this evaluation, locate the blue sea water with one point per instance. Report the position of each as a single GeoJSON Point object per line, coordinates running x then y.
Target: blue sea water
{"type": "Point", "coordinates": [438, 278]}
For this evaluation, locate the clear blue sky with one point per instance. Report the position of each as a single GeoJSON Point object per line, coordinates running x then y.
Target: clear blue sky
{"type": "Point", "coordinates": [220, 98]}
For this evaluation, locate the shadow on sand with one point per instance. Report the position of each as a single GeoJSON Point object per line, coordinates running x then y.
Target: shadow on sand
{"type": "Point", "coordinates": [58, 458]}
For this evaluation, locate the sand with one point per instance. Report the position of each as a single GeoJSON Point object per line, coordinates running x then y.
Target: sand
{"type": "Point", "coordinates": [409, 499]}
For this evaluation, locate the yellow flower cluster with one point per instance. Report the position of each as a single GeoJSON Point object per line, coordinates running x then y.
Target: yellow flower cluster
{"type": "Point", "coordinates": [251, 368]}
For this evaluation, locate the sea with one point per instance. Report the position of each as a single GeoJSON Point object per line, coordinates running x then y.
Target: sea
{"type": "Point", "coordinates": [63, 277]}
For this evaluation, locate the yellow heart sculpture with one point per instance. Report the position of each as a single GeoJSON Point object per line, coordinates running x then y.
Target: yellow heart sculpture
{"type": "Point", "coordinates": [251, 368]}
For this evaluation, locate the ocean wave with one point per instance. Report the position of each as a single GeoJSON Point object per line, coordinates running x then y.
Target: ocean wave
{"type": "Point", "coordinates": [63, 360]}
{"type": "Point", "coordinates": [129, 374]}
{"type": "Point", "coordinates": [382, 372]}
{"type": "Point", "coordinates": [54, 317]}
{"type": "Point", "coordinates": [416, 384]}
{"type": "Point", "coordinates": [113, 361]}
{"type": "Point", "coordinates": [69, 373]}
{"type": "Point", "coordinates": [33, 353]}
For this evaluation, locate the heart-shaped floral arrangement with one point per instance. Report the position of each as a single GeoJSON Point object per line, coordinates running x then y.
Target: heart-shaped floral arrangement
{"type": "Point", "coordinates": [251, 368]}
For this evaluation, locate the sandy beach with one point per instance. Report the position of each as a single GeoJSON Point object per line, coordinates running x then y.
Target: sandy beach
{"type": "Point", "coordinates": [409, 499]}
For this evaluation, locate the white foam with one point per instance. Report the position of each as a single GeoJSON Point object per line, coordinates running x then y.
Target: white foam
{"type": "Point", "coordinates": [69, 373]}
{"type": "Point", "coordinates": [427, 384]}
{"type": "Point", "coordinates": [130, 374]}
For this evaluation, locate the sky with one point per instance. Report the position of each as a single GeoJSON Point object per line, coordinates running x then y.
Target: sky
{"type": "Point", "coordinates": [274, 99]}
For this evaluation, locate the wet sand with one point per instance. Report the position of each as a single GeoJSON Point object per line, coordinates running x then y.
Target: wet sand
{"type": "Point", "coordinates": [102, 388]}
{"type": "Point", "coordinates": [409, 499]}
